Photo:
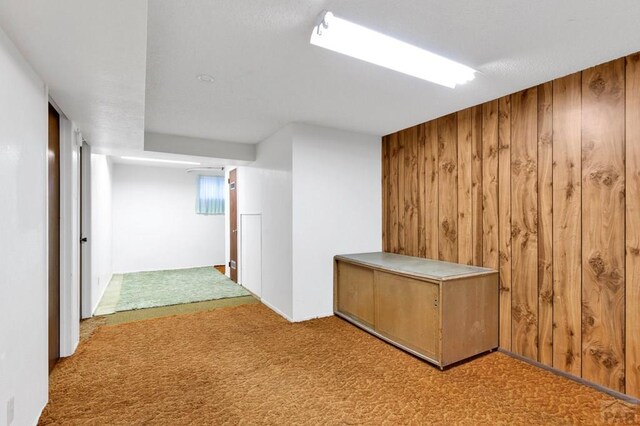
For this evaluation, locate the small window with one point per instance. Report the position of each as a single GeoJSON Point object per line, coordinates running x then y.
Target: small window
{"type": "Point", "coordinates": [210, 196]}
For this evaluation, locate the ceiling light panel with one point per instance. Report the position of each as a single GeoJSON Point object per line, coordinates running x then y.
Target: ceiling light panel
{"type": "Point", "coordinates": [342, 36]}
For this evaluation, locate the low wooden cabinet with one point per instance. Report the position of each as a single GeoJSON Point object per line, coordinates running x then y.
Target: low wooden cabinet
{"type": "Point", "coordinates": [439, 311]}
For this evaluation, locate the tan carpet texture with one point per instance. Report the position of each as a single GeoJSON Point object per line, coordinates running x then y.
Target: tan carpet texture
{"type": "Point", "coordinates": [246, 365]}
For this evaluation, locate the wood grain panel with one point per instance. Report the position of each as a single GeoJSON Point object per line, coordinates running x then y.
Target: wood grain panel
{"type": "Point", "coordinates": [422, 191]}
{"type": "Point", "coordinates": [545, 223]}
{"type": "Point", "coordinates": [394, 213]}
{"type": "Point", "coordinates": [410, 137]}
{"type": "Point", "coordinates": [476, 182]}
{"type": "Point", "coordinates": [447, 188]}
{"type": "Point", "coordinates": [431, 189]}
{"type": "Point", "coordinates": [385, 192]}
{"type": "Point", "coordinates": [401, 194]}
{"type": "Point", "coordinates": [603, 218]}
{"type": "Point", "coordinates": [490, 187]}
{"type": "Point", "coordinates": [524, 227]}
{"type": "Point", "coordinates": [504, 217]}
{"type": "Point", "coordinates": [633, 225]}
{"type": "Point", "coordinates": [544, 186]}
{"type": "Point", "coordinates": [567, 219]}
{"type": "Point", "coordinates": [465, 199]}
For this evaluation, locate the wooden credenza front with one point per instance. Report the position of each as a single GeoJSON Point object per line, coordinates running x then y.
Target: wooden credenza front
{"type": "Point", "coordinates": [439, 311]}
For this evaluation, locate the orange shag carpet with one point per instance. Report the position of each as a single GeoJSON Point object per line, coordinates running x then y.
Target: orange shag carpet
{"type": "Point", "coordinates": [247, 365]}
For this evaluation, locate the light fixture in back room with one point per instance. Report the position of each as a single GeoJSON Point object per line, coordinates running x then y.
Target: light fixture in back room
{"type": "Point", "coordinates": [159, 160]}
{"type": "Point", "coordinates": [205, 78]}
{"type": "Point", "coordinates": [362, 43]}
{"type": "Point", "coordinates": [207, 170]}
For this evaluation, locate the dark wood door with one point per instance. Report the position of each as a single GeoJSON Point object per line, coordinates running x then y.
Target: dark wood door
{"type": "Point", "coordinates": [233, 220]}
{"type": "Point", "coordinates": [54, 236]}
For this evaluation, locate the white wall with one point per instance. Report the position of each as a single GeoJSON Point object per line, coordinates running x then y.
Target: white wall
{"type": "Point", "coordinates": [23, 238]}
{"type": "Point", "coordinates": [319, 193]}
{"type": "Point", "coordinates": [266, 189]}
{"type": "Point", "coordinates": [69, 237]}
{"type": "Point", "coordinates": [101, 227]}
{"type": "Point", "coordinates": [250, 256]}
{"type": "Point", "coordinates": [336, 209]}
{"type": "Point", "coordinates": [155, 225]}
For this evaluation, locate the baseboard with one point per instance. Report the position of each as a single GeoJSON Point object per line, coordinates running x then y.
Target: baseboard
{"type": "Point", "coordinates": [93, 308]}
{"type": "Point", "coordinates": [309, 318]}
{"type": "Point", "coordinates": [573, 378]}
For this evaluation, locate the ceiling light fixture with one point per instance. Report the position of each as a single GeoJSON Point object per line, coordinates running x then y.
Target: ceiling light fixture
{"type": "Point", "coordinates": [205, 78]}
{"type": "Point", "coordinates": [359, 42]}
{"type": "Point", "coordinates": [206, 169]}
{"type": "Point", "coordinates": [160, 160]}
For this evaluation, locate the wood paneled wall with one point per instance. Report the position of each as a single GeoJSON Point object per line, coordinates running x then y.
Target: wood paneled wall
{"type": "Point", "coordinates": [544, 186]}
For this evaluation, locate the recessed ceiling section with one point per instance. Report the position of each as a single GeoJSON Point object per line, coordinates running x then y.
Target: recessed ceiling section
{"type": "Point", "coordinates": [92, 56]}
{"type": "Point", "coordinates": [232, 153]}
{"type": "Point", "coordinates": [267, 75]}
{"type": "Point", "coordinates": [174, 161]}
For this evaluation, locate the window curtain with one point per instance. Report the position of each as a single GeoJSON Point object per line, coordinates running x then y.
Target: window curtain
{"type": "Point", "coordinates": [210, 195]}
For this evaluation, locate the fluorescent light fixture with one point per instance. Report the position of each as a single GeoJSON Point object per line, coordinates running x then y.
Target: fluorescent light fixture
{"type": "Point", "coordinates": [359, 42]}
{"type": "Point", "coordinates": [160, 160]}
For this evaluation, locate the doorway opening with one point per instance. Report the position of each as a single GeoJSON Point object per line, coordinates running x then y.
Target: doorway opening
{"type": "Point", "coordinates": [168, 239]}
{"type": "Point", "coordinates": [54, 235]}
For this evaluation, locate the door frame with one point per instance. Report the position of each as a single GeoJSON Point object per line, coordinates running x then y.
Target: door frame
{"type": "Point", "coordinates": [232, 184]}
{"type": "Point", "coordinates": [70, 236]}
{"type": "Point", "coordinates": [54, 216]}
{"type": "Point", "coordinates": [85, 231]}
{"type": "Point", "coordinates": [70, 139]}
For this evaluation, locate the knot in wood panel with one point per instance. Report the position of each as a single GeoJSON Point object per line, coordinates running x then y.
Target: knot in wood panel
{"type": "Point", "coordinates": [607, 275]}
{"type": "Point", "coordinates": [516, 166]}
{"type": "Point", "coordinates": [450, 232]}
{"type": "Point", "coordinates": [570, 190]}
{"type": "Point", "coordinates": [597, 263]}
{"type": "Point", "coordinates": [523, 313]}
{"type": "Point", "coordinates": [606, 176]}
{"type": "Point", "coordinates": [604, 356]}
{"type": "Point", "coordinates": [597, 84]}
{"type": "Point", "coordinates": [547, 296]}
{"type": "Point", "coordinates": [588, 318]}
{"type": "Point", "coordinates": [515, 231]}
{"type": "Point", "coordinates": [448, 167]}
{"type": "Point", "coordinates": [493, 151]}
{"type": "Point", "coordinates": [569, 357]}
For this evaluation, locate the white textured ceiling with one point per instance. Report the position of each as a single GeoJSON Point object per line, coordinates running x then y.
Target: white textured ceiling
{"type": "Point", "coordinates": [267, 74]}
{"type": "Point", "coordinates": [92, 55]}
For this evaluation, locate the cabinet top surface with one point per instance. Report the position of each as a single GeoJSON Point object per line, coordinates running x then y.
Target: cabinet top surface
{"type": "Point", "coordinates": [416, 266]}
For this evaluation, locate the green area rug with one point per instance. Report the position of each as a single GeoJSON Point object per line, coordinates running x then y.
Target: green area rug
{"type": "Point", "coordinates": [140, 290]}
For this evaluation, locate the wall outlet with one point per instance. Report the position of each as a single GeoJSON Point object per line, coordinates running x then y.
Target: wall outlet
{"type": "Point", "coordinates": [10, 410]}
